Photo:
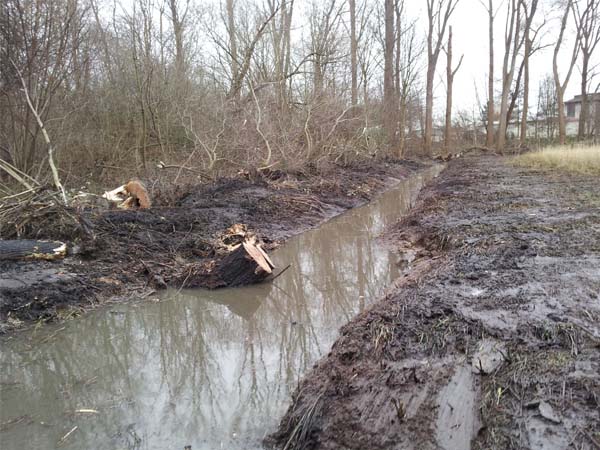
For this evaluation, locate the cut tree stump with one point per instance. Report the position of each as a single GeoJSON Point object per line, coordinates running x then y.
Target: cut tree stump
{"type": "Point", "coordinates": [29, 249]}
{"type": "Point", "coordinates": [247, 263]}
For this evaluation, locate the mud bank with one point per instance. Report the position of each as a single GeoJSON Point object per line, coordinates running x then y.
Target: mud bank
{"type": "Point", "coordinates": [491, 340]}
{"type": "Point", "coordinates": [121, 254]}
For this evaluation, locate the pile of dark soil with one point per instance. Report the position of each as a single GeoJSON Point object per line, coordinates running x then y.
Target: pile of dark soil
{"type": "Point", "coordinates": [490, 341]}
{"type": "Point", "coordinates": [127, 253]}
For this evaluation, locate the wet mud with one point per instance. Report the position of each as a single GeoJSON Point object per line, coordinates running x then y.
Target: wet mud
{"type": "Point", "coordinates": [490, 339]}
{"type": "Point", "coordinates": [116, 255]}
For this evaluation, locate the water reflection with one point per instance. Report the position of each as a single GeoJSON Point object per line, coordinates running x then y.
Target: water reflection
{"type": "Point", "coordinates": [206, 369]}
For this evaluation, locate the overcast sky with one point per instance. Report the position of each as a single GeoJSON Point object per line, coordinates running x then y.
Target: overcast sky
{"type": "Point", "coordinates": [470, 37]}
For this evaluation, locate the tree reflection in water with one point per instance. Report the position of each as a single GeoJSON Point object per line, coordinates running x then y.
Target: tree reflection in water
{"type": "Point", "coordinates": [211, 369]}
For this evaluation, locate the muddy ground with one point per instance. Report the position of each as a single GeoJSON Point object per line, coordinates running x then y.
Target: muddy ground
{"type": "Point", "coordinates": [490, 341]}
{"type": "Point", "coordinates": [117, 255]}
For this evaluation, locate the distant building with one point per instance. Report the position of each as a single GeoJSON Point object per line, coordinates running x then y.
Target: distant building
{"type": "Point", "coordinates": [573, 111]}
{"type": "Point", "coordinates": [547, 127]}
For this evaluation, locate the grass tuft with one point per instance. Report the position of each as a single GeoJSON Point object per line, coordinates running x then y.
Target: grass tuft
{"type": "Point", "coordinates": [582, 159]}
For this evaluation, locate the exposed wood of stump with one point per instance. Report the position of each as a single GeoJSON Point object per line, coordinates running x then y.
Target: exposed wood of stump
{"type": "Point", "coordinates": [246, 264]}
{"type": "Point", "coordinates": [29, 249]}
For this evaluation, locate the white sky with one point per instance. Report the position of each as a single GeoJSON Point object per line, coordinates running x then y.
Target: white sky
{"type": "Point", "coordinates": [470, 37]}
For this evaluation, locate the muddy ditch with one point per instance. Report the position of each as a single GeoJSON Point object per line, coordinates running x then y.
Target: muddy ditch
{"type": "Point", "coordinates": [118, 254]}
{"type": "Point", "coordinates": [491, 341]}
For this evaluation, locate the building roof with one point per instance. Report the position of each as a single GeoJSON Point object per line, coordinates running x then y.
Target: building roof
{"type": "Point", "coordinates": [577, 99]}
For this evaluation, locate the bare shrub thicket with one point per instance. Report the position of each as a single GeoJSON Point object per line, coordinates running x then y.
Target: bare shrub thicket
{"type": "Point", "coordinates": [142, 87]}
{"type": "Point", "coordinates": [206, 89]}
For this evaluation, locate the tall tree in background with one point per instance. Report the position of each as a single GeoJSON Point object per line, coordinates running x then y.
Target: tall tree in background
{"type": "Point", "coordinates": [529, 11]}
{"type": "Point", "coordinates": [519, 89]}
{"type": "Point", "coordinates": [450, 73]}
{"type": "Point", "coordinates": [438, 14]}
{"type": "Point", "coordinates": [325, 22]}
{"type": "Point", "coordinates": [232, 45]}
{"type": "Point", "coordinates": [489, 137]}
{"type": "Point", "coordinates": [561, 86]}
{"type": "Point", "coordinates": [588, 25]}
{"type": "Point", "coordinates": [353, 53]}
{"type": "Point", "coordinates": [178, 19]}
{"type": "Point", "coordinates": [389, 94]}
{"type": "Point", "coordinates": [513, 41]}
{"type": "Point", "coordinates": [546, 107]}
{"type": "Point", "coordinates": [408, 56]}
{"type": "Point", "coordinates": [281, 45]}
{"type": "Point", "coordinates": [40, 54]}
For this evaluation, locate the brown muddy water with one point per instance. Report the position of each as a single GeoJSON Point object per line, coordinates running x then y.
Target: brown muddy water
{"type": "Point", "coordinates": [210, 369]}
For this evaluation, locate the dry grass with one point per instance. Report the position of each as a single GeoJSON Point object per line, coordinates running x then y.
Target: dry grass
{"type": "Point", "coordinates": [582, 159]}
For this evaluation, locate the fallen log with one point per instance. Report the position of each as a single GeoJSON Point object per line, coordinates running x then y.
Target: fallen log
{"type": "Point", "coordinates": [247, 263]}
{"type": "Point", "coordinates": [31, 249]}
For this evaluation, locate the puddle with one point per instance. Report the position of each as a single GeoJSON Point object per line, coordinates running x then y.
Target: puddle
{"type": "Point", "coordinates": [209, 369]}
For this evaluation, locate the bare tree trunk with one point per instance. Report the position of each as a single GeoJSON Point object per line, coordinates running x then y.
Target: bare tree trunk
{"type": "Point", "coordinates": [105, 50]}
{"type": "Point", "coordinates": [398, 7]}
{"type": "Point", "coordinates": [428, 136]}
{"type": "Point", "coordinates": [489, 138]}
{"type": "Point", "coordinates": [178, 29]}
{"type": "Point", "coordinates": [523, 134]}
{"type": "Point", "coordinates": [232, 46]}
{"type": "Point", "coordinates": [449, 81]}
{"type": "Point", "coordinates": [287, 45]}
{"type": "Point", "coordinates": [512, 43]}
{"type": "Point", "coordinates": [389, 96]}
{"type": "Point", "coordinates": [436, 25]}
{"type": "Point", "coordinates": [35, 113]}
{"type": "Point", "coordinates": [514, 95]}
{"type": "Point", "coordinates": [584, 113]}
{"type": "Point", "coordinates": [561, 86]}
{"type": "Point", "coordinates": [588, 25]}
{"type": "Point", "coordinates": [529, 15]}
{"type": "Point", "coordinates": [353, 53]}
{"type": "Point", "coordinates": [449, 77]}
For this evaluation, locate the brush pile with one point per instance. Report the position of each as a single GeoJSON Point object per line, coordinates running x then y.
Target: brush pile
{"type": "Point", "coordinates": [30, 209]}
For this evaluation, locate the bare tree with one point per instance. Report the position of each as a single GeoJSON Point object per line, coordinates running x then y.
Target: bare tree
{"type": "Point", "coordinates": [178, 20]}
{"type": "Point", "coordinates": [588, 26]}
{"type": "Point", "coordinates": [353, 53]}
{"type": "Point", "coordinates": [438, 14]}
{"type": "Point", "coordinates": [51, 163]}
{"type": "Point", "coordinates": [512, 43]}
{"type": "Point", "coordinates": [244, 67]}
{"type": "Point", "coordinates": [325, 22]}
{"type": "Point", "coordinates": [489, 140]}
{"type": "Point", "coordinates": [410, 51]}
{"type": "Point", "coordinates": [529, 12]}
{"type": "Point", "coordinates": [547, 110]}
{"type": "Point", "coordinates": [38, 43]}
{"type": "Point", "coordinates": [562, 86]}
{"type": "Point", "coordinates": [232, 47]}
{"type": "Point", "coordinates": [281, 41]}
{"type": "Point", "coordinates": [389, 94]}
{"type": "Point", "coordinates": [518, 90]}
{"type": "Point", "coordinates": [450, 73]}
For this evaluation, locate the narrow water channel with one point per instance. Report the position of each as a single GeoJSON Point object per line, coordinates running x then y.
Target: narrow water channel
{"type": "Point", "coordinates": [210, 369]}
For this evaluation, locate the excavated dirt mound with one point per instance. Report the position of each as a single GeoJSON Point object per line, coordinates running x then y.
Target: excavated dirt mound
{"type": "Point", "coordinates": [127, 253]}
{"type": "Point", "coordinates": [491, 340]}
